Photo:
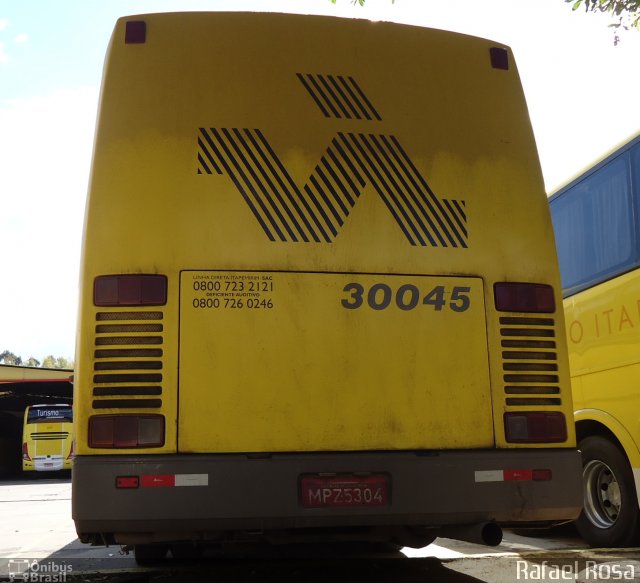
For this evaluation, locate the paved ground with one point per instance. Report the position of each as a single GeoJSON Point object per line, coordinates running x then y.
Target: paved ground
{"type": "Point", "coordinates": [36, 525]}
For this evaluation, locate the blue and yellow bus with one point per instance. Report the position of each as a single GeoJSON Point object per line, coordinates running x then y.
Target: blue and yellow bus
{"type": "Point", "coordinates": [597, 230]}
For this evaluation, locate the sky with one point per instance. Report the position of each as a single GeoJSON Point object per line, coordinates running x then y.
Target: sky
{"type": "Point", "coordinates": [582, 92]}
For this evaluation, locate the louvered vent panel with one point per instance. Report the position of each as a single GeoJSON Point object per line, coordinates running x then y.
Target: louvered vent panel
{"type": "Point", "coordinates": [50, 436]}
{"type": "Point", "coordinates": [128, 365]}
{"type": "Point", "coordinates": [530, 362]}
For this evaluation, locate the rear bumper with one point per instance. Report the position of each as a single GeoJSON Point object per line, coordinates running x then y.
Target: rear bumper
{"type": "Point", "coordinates": [46, 465]}
{"type": "Point", "coordinates": [206, 496]}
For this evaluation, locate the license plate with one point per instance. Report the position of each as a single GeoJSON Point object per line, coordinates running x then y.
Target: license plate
{"type": "Point", "coordinates": [344, 490]}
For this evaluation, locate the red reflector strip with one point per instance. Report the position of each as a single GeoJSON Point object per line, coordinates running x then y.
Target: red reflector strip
{"type": "Point", "coordinates": [127, 482]}
{"type": "Point", "coordinates": [518, 475]}
{"type": "Point", "coordinates": [174, 480]}
{"type": "Point", "coordinates": [158, 481]}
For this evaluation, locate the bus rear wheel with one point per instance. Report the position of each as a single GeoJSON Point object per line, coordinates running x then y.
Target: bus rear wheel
{"type": "Point", "coordinates": [610, 515]}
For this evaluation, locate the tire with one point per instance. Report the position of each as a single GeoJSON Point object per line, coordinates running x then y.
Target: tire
{"type": "Point", "coordinates": [610, 515]}
{"type": "Point", "coordinates": [150, 554]}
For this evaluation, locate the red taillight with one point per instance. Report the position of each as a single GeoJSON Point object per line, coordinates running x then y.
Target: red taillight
{"type": "Point", "coordinates": [535, 427]}
{"type": "Point", "coordinates": [25, 452]}
{"type": "Point", "coordinates": [126, 431]}
{"type": "Point", "coordinates": [130, 290]}
{"type": "Point", "coordinates": [127, 482]}
{"type": "Point", "coordinates": [524, 297]}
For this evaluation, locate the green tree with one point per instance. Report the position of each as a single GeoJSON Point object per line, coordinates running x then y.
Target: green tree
{"type": "Point", "coordinates": [51, 361]}
{"type": "Point", "coordinates": [626, 12]}
{"type": "Point", "coordinates": [8, 357]}
{"type": "Point", "coordinates": [62, 362]}
{"type": "Point", "coordinates": [34, 362]}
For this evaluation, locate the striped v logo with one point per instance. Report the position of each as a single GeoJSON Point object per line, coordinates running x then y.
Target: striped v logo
{"type": "Point", "coordinates": [317, 211]}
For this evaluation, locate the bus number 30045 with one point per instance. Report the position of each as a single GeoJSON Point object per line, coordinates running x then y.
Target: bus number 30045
{"type": "Point", "coordinates": [407, 297]}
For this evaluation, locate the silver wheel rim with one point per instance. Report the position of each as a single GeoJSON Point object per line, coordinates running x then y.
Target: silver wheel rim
{"type": "Point", "coordinates": [602, 500]}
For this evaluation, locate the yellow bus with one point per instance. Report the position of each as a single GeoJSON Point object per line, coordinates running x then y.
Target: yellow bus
{"type": "Point", "coordinates": [595, 219]}
{"type": "Point", "coordinates": [47, 438]}
{"type": "Point", "coordinates": [320, 298]}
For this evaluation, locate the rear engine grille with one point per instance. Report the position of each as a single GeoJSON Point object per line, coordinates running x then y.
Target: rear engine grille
{"type": "Point", "coordinates": [530, 362]}
{"type": "Point", "coordinates": [50, 435]}
{"type": "Point", "coordinates": [128, 360]}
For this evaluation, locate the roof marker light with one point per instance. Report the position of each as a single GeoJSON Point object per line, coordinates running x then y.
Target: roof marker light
{"type": "Point", "coordinates": [135, 32]}
{"type": "Point", "coordinates": [499, 58]}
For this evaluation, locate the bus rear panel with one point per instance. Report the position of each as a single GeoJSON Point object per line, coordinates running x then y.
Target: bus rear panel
{"type": "Point", "coordinates": [319, 289]}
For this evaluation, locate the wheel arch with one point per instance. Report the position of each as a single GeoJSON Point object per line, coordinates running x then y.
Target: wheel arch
{"type": "Point", "coordinates": [596, 422]}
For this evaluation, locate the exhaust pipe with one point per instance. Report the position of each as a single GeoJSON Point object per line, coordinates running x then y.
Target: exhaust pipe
{"type": "Point", "coordinates": [485, 533]}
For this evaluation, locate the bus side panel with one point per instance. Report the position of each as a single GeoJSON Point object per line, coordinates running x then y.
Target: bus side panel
{"type": "Point", "coordinates": [603, 333]}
